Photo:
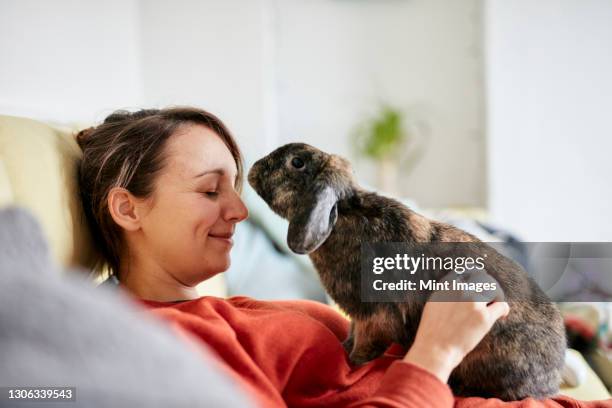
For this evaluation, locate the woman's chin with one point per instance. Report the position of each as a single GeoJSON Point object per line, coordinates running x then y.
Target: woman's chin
{"type": "Point", "coordinates": [221, 266]}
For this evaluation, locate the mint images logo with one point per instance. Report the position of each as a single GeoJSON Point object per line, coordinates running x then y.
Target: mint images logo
{"type": "Point", "coordinates": [434, 285]}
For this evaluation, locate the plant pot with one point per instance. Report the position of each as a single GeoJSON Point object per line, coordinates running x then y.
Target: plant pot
{"type": "Point", "coordinates": [388, 175]}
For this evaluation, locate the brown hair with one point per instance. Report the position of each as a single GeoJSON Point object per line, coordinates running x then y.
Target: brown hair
{"type": "Point", "coordinates": [127, 150]}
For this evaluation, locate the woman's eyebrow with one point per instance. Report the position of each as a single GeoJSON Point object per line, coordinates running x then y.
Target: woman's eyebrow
{"type": "Point", "coordinates": [218, 171]}
{"type": "Point", "coordinates": [214, 171]}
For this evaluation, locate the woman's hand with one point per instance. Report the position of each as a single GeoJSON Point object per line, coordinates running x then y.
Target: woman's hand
{"type": "Point", "coordinates": [448, 331]}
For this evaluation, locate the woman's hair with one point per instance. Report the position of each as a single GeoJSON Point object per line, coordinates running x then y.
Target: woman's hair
{"type": "Point", "coordinates": [127, 150]}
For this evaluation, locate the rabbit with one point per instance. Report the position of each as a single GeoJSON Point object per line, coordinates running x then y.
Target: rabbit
{"type": "Point", "coordinates": [330, 216]}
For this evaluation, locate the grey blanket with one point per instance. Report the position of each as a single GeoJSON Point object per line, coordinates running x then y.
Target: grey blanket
{"type": "Point", "coordinates": [58, 330]}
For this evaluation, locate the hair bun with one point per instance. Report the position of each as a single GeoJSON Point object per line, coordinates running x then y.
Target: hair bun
{"type": "Point", "coordinates": [83, 137]}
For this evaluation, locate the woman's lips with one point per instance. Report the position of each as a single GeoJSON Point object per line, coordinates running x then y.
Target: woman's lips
{"type": "Point", "coordinates": [225, 239]}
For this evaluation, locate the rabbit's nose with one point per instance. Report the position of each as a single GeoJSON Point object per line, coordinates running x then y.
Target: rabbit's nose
{"type": "Point", "coordinates": [255, 174]}
{"type": "Point", "coordinates": [252, 177]}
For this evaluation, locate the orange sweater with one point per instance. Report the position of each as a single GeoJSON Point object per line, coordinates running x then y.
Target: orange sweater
{"type": "Point", "coordinates": [289, 353]}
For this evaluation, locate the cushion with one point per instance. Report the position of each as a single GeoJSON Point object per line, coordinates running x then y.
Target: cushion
{"type": "Point", "coordinates": [38, 165]}
{"type": "Point", "coordinates": [61, 331]}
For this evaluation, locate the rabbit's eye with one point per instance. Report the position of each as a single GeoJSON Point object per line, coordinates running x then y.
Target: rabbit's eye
{"type": "Point", "coordinates": [297, 163]}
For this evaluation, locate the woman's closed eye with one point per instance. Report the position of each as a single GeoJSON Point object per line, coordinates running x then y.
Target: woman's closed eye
{"type": "Point", "coordinates": [212, 194]}
{"type": "Point", "coordinates": [210, 190]}
{"type": "Point", "coordinates": [215, 190]}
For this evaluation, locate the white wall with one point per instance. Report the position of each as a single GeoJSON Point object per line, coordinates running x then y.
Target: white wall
{"type": "Point", "coordinates": [549, 69]}
{"type": "Point", "coordinates": [338, 59]}
{"type": "Point", "coordinates": [216, 55]}
{"type": "Point", "coordinates": [68, 60]}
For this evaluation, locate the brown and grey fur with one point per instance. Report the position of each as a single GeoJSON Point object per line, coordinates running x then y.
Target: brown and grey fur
{"type": "Point", "coordinates": [329, 218]}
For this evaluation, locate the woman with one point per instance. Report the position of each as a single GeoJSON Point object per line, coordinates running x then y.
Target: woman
{"type": "Point", "coordinates": [161, 191]}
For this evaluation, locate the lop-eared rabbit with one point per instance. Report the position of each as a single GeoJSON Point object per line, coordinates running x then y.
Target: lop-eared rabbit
{"type": "Point", "coordinates": [330, 216]}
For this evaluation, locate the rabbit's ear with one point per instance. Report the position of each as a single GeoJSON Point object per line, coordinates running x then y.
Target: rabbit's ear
{"type": "Point", "coordinates": [312, 224]}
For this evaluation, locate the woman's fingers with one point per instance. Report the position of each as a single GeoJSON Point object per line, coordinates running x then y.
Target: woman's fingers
{"type": "Point", "coordinates": [498, 310]}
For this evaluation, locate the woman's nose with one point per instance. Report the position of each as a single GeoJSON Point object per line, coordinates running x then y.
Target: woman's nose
{"type": "Point", "coordinates": [236, 210]}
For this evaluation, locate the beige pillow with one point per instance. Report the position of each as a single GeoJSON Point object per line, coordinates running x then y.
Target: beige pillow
{"type": "Point", "coordinates": [38, 171]}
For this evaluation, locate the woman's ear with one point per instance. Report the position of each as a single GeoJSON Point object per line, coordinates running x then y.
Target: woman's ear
{"type": "Point", "coordinates": [312, 224]}
{"type": "Point", "coordinates": [123, 208]}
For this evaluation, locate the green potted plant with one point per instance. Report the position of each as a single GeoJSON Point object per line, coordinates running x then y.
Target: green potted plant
{"type": "Point", "coordinates": [384, 139]}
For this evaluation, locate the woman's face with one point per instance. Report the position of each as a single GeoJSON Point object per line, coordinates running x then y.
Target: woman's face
{"type": "Point", "coordinates": [188, 225]}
